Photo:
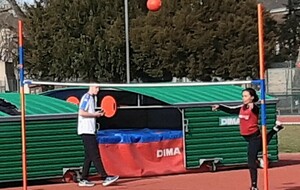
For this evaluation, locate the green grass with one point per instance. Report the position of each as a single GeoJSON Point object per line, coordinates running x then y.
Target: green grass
{"type": "Point", "coordinates": [289, 139]}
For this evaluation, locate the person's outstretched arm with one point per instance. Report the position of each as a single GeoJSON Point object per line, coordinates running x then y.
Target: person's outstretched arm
{"type": "Point", "coordinates": [227, 109]}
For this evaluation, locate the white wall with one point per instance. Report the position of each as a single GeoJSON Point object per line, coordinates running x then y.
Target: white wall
{"type": "Point", "coordinates": [279, 80]}
{"type": "Point", "coordinates": [3, 80]}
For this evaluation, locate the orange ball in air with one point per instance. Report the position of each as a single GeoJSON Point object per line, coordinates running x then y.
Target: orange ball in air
{"type": "Point", "coordinates": [153, 5]}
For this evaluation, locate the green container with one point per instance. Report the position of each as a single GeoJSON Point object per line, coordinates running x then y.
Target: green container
{"type": "Point", "coordinates": [216, 135]}
{"type": "Point", "coordinates": [53, 143]}
{"type": "Point", "coordinates": [208, 134]}
{"type": "Point", "coordinates": [51, 139]}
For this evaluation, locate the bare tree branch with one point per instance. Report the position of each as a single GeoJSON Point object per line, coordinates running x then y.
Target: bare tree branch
{"type": "Point", "coordinates": [14, 5]}
{"type": "Point", "coordinates": [5, 10]}
{"type": "Point", "coordinates": [7, 20]}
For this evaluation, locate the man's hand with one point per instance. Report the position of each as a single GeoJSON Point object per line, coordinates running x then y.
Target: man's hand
{"type": "Point", "coordinates": [99, 113]}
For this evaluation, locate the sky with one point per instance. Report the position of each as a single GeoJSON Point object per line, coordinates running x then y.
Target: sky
{"type": "Point", "coordinates": [27, 1]}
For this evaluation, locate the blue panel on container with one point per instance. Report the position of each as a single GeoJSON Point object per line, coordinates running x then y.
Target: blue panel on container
{"type": "Point", "coordinates": [113, 136]}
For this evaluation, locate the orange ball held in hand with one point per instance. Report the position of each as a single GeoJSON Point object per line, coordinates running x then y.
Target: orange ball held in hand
{"type": "Point", "coordinates": [109, 106]}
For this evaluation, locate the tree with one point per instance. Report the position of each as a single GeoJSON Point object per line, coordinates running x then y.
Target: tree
{"type": "Point", "coordinates": [8, 44]}
{"type": "Point", "coordinates": [16, 8]}
{"type": "Point", "coordinates": [84, 39]}
{"type": "Point", "coordinates": [8, 25]}
{"type": "Point", "coordinates": [200, 40]}
{"type": "Point", "coordinates": [76, 39]}
{"type": "Point", "coordinates": [38, 45]}
{"type": "Point", "coordinates": [290, 32]}
{"type": "Point", "coordinates": [237, 33]}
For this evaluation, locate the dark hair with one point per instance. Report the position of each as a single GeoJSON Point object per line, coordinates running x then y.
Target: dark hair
{"type": "Point", "coordinates": [252, 93]}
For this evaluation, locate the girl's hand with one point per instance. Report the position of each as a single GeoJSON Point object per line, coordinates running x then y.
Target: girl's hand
{"type": "Point", "coordinates": [214, 107]}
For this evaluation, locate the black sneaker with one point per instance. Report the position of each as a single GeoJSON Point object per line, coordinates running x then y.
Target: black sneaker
{"type": "Point", "coordinates": [278, 126]}
{"type": "Point", "coordinates": [253, 188]}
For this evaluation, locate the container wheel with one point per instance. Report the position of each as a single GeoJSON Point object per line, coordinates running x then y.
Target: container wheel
{"type": "Point", "coordinates": [69, 177]}
{"type": "Point", "coordinates": [212, 167]}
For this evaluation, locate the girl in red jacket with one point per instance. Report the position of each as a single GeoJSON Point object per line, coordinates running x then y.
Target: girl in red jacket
{"type": "Point", "coordinates": [249, 114]}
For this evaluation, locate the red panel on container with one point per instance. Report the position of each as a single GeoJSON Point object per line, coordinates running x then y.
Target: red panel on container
{"type": "Point", "coordinates": [143, 159]}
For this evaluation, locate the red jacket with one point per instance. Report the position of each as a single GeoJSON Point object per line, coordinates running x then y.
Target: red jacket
{"type": "Point", "coordinates": [248, 121]}
{"type": "Point", "coordinates": [248, 117]}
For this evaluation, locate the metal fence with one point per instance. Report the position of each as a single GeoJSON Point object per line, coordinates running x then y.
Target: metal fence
{"type": "Point", "coordinates": [288, 104]}
{"type": "Point", "coordinates": [284, 84]}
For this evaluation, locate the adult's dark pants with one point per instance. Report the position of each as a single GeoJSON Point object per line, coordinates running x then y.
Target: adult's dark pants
{"type": "Point", "coordinates": [92, 154]}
